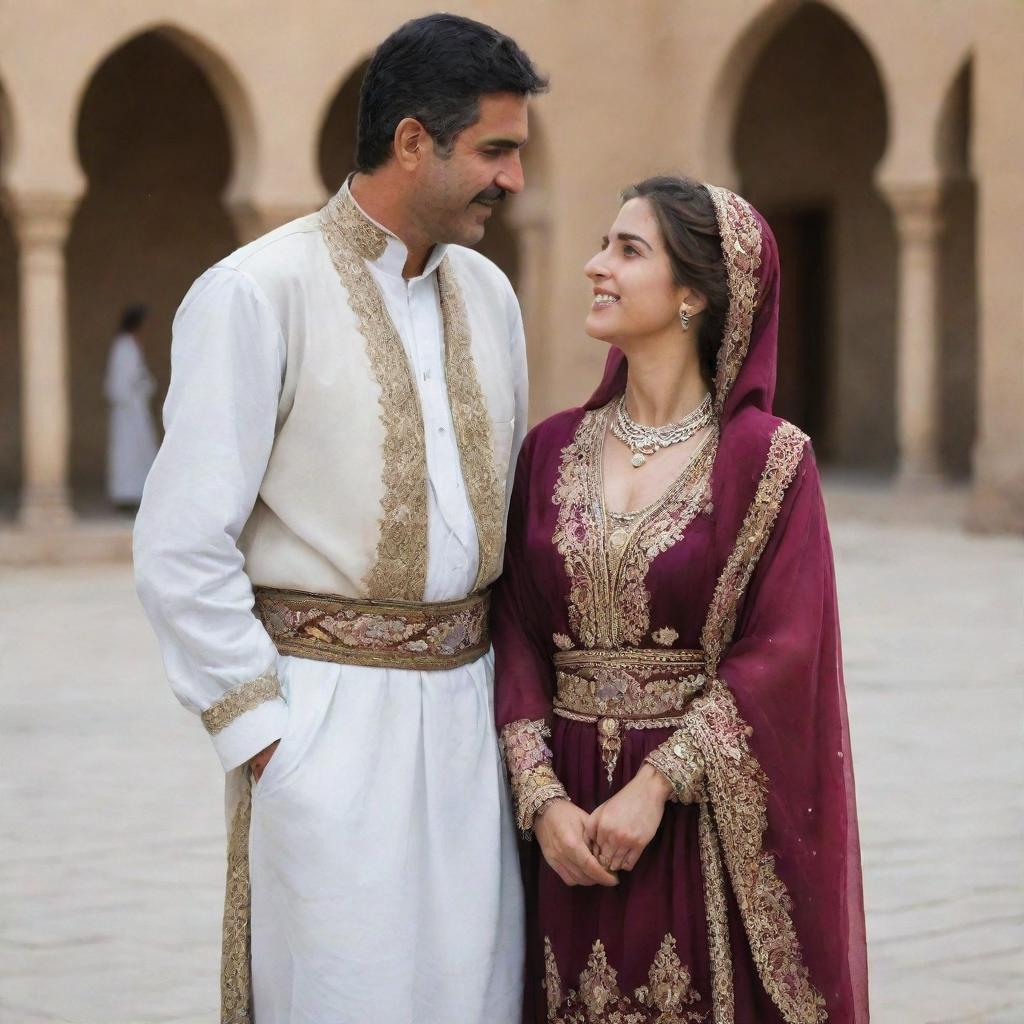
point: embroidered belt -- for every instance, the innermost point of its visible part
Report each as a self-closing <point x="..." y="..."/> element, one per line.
<point x="325" y="627"/>
<point x="630" y="687"/>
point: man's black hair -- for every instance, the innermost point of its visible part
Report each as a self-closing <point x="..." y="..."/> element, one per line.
<point x="133" y="318"/>
<point x="435" y="69"/>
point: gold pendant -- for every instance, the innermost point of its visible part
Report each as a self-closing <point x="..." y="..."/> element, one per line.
<point x="609" y="741"/>
<point x="638" y="459"/>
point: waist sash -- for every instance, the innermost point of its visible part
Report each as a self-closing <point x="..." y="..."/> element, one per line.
<point x="324" y="627"/>
<point x="631" y="688"/>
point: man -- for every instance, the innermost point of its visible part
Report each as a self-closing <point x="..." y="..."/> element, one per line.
<point x="314" y="549"/>
<point x="131" y="437"/>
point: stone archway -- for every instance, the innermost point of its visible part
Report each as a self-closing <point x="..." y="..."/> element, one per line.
<point x="810" y="129"/>
<point x="958" y="311"/>
<point x="156" y="145"/>
<point x="10" y="349"/>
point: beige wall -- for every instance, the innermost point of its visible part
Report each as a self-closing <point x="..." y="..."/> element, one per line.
<point x="850" y="106"/>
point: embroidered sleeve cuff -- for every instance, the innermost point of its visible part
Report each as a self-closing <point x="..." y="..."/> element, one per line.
<point x="246" y="719"/>
<point x="528" y="760"/>
<point x="679" y="760"/>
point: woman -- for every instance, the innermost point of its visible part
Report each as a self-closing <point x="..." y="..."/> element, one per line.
<point x="668" y="682"/>
<point x="129" y="387"/>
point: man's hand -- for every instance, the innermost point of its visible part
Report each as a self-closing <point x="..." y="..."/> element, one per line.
<point x="258" y="763"/>
<point x="620" y="829"/>
<point x="560" y="830"/>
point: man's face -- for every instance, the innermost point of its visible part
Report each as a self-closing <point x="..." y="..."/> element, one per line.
<point x="456" y="194"/>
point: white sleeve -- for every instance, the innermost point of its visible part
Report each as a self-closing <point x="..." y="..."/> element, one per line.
<point x="520" y="380"/>
<point x="227" y="364"/>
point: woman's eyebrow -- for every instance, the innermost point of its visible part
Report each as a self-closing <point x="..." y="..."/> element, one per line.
<point x="623" y="236"/>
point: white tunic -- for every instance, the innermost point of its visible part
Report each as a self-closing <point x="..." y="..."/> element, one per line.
<point x="131" y="441"/>
<point x="384" y="875"/>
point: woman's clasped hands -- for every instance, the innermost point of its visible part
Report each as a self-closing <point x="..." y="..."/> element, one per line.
<point x="587" y="849"/>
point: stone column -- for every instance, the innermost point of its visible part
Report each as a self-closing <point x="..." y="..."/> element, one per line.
<point x="42" y="223"/>
<point x="918" y="227"/>
<point x="528" y="217"/>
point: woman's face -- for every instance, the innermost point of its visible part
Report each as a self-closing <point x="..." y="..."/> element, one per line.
<point x="635" y="295"/>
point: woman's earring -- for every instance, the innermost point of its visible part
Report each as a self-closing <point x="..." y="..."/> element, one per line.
<point x="684" y="318"/>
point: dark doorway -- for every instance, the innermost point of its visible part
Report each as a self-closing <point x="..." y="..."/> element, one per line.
<point x="801" y="394"/>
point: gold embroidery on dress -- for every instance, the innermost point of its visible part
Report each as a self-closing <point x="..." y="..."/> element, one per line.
<point x="235" y="969"/>
<point x="716" y="911"/>
<point x="528" y="763"/>
<point x="484" y="484"/>
<point x="238" y="701"/>
<point x="609" y="604"/>
<point x="740" y="233"/>
<point x="734" y="779"/>
<point x="632" y="682"/>
<point x="784" y="454"/>
<point x="681" y="763"/>
<point x="663" y="1000"/>
<point x="399" y="569"/>
<point x="665" y="637"/>
<point x="561" y="641"/>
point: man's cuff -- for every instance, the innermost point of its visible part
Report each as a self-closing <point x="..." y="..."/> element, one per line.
<point x="246" y="720"/>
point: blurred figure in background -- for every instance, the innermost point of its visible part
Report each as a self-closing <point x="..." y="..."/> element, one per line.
<point x="129" y="386"/>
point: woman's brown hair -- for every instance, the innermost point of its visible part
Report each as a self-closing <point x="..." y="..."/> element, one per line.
<point x="689" y="228"/>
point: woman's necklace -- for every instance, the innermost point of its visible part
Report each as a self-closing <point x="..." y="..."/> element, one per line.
<point x="643" y="441"/>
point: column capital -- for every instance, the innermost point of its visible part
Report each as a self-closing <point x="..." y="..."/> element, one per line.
<point x="41" y="219"/>
<point x="917" y="208"/>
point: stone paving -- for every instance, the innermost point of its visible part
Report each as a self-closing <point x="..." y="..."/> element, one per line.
<point x="111" y="828"/>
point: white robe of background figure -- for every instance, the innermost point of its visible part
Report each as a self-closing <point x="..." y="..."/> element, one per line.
<point x="129" y="387"/>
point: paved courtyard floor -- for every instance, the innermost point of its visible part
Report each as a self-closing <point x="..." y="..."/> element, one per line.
<point x="111" y="828"/>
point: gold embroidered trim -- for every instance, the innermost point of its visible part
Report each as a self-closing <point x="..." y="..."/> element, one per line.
<point x="579" y="534"/>
<point x="323" y="627"/>
<point x="484" y="484"/>
<point x="235" y="972"/>
<point x="609" y="605"/>
<point x="561" y="641"/>
<point x="740" y="233"/>
<point x="238" y="701"/>
<point x="669" y="990"/>
<point x="528" y="762"/>
<point x="735" y="782"/>
<point x="680" y="762"/>
<point x="737" y="786"/>
<point x="716" y="912"/>
<point x="784" y="454"/>
<point x="399" y="569"/>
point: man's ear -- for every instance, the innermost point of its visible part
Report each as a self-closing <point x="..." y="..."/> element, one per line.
<point x="411" y="142"/>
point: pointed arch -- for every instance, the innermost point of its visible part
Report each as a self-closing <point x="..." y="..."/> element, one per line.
<point x="228" y="85"/>
<point x="809" y="129"/>
<point x="158" y="146"/>
<point x="731" y="81"/>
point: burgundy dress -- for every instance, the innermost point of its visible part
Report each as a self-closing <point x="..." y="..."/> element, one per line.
<point x="701" y="636"/>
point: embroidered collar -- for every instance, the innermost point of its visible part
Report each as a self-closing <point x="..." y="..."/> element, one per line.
<point x="373" y="241"/>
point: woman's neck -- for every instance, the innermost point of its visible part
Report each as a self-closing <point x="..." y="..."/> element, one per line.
<point x="664" y="383"/>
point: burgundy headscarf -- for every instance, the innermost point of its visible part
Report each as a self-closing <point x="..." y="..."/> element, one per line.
<point x="798" y="883"/>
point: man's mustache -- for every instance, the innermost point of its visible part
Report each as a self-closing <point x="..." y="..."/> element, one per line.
<point x="490" y="196"/>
